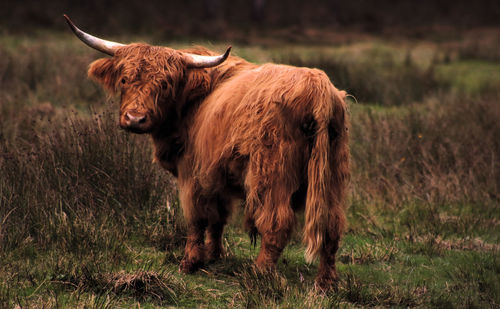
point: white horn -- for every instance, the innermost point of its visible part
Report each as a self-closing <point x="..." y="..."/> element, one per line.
<point x="107" y="47"/>
<point x="199" y="61"/>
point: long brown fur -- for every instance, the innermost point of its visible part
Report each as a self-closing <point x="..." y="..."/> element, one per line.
<point x="273" y="135"/>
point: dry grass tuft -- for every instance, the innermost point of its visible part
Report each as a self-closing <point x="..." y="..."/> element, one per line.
<point x="162" y="288"/>
<point x="260" y="287"/>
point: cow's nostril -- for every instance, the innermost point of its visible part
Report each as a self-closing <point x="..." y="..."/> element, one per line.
<point x="132" y="120"/>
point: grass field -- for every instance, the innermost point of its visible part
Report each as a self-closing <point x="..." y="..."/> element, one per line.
<point x="86" y="220"/>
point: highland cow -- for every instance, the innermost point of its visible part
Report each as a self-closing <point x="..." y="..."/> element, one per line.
<point x="275" y="136"/>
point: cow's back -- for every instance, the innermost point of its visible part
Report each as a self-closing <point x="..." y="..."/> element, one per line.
<point x="254" y="112"/>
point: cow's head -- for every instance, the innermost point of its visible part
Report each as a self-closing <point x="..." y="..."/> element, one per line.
<point x="146" y="76"/>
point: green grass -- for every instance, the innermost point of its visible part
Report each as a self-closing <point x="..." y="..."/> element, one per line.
<point x="471" y="77"/>
<point x="86" y="220"/>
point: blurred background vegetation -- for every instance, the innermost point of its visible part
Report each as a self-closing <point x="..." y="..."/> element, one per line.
<point x="236" y="19"/>
<point x="86" y="220"/>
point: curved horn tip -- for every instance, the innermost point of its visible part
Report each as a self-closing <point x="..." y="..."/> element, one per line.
<point x="228" y="51"/>
<point x="71" y="25"/>
<point x="104" y="46"/>
<point x="68" y="20"/>
<point x="201" y="61"/>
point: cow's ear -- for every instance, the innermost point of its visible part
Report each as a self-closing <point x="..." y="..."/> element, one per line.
<point x="105" y="72"/>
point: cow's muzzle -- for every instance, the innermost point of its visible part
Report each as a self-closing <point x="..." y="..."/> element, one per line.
<point x="135" y="122"/>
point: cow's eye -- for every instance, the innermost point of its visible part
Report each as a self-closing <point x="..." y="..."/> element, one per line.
<point x="124" y="80"/>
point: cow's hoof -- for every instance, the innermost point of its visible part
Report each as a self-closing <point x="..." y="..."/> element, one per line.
<point x="189" y="266"/>
<point x="325" y="284"/>
<point x="213" y="254"/>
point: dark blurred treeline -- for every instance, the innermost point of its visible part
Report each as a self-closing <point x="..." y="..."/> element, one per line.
<point x="220" y="17"/>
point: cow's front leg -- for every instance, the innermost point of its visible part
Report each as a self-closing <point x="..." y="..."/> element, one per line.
<point x="194" y="253"/>
<point x="213" y="247"/>
<point x="217" y="219"/>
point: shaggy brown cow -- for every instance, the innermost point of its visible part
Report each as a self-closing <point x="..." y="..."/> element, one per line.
<point x="275" y="136"/>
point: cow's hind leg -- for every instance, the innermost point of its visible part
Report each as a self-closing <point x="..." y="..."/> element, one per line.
<point x="327" y="273"/>
<point x="271" y="181"/>
<point x="216" y="222"/>
<point x="275" y="224"/>
<point x="272" y="244"/>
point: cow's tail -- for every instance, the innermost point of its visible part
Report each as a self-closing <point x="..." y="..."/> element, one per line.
<point x="328" y="173"/>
